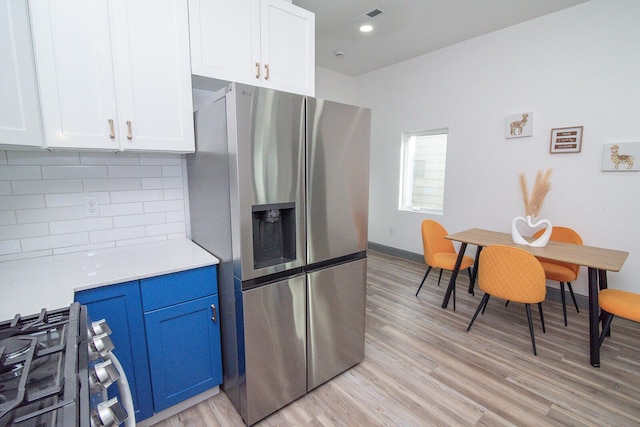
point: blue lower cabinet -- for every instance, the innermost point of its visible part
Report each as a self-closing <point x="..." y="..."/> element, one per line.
<point x="184" y="350"/>
<point x="166" y="333"/>
<point x="121" y="306"/>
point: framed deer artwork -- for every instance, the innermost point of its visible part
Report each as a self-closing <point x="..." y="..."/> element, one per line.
<point x="518" y="125"/>
<point x="621" y="157"/>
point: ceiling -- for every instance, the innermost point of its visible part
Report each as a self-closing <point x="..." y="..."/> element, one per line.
<point x="409" y="28"/>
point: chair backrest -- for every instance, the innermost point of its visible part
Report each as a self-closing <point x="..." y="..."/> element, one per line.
<point x="563" y="234"/>
<point x="511" y="273"/>
<point x="433" y="240"/>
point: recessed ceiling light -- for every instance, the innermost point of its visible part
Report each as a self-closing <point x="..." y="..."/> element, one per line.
<point x="365" y="28"/>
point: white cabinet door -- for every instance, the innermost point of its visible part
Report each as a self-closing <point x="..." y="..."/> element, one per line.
<point x="19" y="109"/>
<point x="75" y="72"/>
<point x="114" y="75"/>
<point x="268" y="43"/>
<point x="225" y="39"/>
<point x="151" y="47"/>
<point x="287" y="47"/>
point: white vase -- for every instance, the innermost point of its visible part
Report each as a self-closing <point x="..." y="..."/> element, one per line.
<point x="541" y="241"/>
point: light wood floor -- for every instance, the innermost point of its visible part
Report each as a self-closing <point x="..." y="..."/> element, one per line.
<point x="423" y="369"/>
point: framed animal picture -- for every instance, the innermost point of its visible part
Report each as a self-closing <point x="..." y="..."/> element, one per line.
<point x="621" y="157"/>
<point x="518" y="125"/>
<point x="566" y="140"/>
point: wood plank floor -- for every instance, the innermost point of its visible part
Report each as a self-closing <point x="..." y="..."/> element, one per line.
<point x="423" y="369"/>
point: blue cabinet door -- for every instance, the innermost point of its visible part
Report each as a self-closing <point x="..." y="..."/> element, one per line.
<point x="121" y="306"/>
<point x="184" y="350"/>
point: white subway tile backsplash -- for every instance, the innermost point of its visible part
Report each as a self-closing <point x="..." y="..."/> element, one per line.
<point x="135" y="171"/>
<point x="171" y="171"/>
<point x="137" y="196"/>
<point x="68" y="172"/>
<point x="8" y="172"/>
<point x="116" y="234"/>
<point x="165" y="206"/>
<point x="174" y="194"/>
<point x="28" y="216"/>
<point x="135" y="220"/>
<point x="175" y="216"/>
<point x="76" y="226"/>
<point x="74" y="199"/>
<point x="9" y="246"/>
<point x="109" y="159"/>
<point x="141" y="241"/>
<point x="112" y="184"/>
<point x="40" y="158"/>
<point x="7" y="218"/>
<point x="5" y="188"/>
<point x="17" y="231"/>
<point x="11" y="203"/>
<point x="122" y="209"/>
<point x="52" y="242"/>
<point x="157" y="183"/>
<point x="161" y="159"/>
<point x="45" y="187"/>
<point x="42" y="195"/>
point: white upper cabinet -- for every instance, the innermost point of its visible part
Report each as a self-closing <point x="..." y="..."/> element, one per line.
<point x="268" y="43"/>
<point x="114" y="75"/>
<point x="19" y="109"/>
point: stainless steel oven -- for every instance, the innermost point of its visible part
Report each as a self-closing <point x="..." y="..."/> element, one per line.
<point x="55" y="367"/>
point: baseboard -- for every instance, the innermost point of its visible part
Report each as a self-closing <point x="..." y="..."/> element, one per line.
<point x="552" y="293"/>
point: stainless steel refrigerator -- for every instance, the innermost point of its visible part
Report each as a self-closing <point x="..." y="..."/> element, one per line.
<point x="279" y="192"/>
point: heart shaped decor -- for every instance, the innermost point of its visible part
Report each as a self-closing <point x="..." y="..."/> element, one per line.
<point x="541" y="241"/>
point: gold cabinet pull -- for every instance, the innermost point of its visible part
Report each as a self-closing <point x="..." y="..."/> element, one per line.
<point x="266" y="68"/>
<point x="129" y="136"/>
<point x="257" y="70"/>
<point x="214" y="312"/>
<point x="112" y="132"/>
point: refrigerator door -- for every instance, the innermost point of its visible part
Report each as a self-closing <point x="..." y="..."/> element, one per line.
<point x="335" y="320"/>
<point x="266" y="147"/>
<point x="337" y="179"/>
<point x="275" y="343"/>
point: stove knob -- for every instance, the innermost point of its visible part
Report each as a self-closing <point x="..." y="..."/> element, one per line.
<point x="108" y="414"/>
<point x="102" y="376"/>
<point x="100" y="346"/>
<point x="100" y="327"/>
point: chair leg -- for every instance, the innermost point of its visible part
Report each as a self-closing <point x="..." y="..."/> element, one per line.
<point x="533" y="340"/>
<point x="608" y="317"/>
<point x="423" y="279"/>
<point x="564" y="303"/>
<point x="481" y="306"/>
<point x="470" y="281"/>
<point x="573" y="296"/>
<point x="454" y="296"/>
<point x="439" y="277"/>
<point x="541" y="317"/>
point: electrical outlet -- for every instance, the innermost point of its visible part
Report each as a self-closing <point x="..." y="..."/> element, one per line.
<point x="91" y="206"/>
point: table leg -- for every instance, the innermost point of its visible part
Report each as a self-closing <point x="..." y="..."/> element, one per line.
<point x="474" y="271"/>
<point x="454" y="275"/>
<point x="594" y="318"/>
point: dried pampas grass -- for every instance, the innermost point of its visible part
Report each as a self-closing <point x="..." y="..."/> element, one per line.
<point x="533" y="203"/>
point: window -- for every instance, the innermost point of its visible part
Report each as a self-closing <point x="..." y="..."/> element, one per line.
<point x="424" y="156"/>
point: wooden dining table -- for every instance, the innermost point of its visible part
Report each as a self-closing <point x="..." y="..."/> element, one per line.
<point x="597" y="260"/>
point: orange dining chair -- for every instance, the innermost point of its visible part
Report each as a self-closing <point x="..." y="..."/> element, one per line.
<point x="613" y="303"/>
<point x="558" y="271"/>
<point x="440" y="253"/>
<point x="512" y="274"/>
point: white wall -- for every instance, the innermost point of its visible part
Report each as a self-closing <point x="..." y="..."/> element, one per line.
<point x="577" y="67"/>
<point x="141" y="199"/>
<point x="334" y="86"/>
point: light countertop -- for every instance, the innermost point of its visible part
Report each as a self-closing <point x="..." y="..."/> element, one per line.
<point x="29" y="285"/>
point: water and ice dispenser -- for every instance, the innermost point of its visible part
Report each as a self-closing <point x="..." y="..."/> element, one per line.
<point x="274" y="234"/>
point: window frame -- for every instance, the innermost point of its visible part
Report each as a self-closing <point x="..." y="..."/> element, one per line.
<point x="407" y="164"/>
